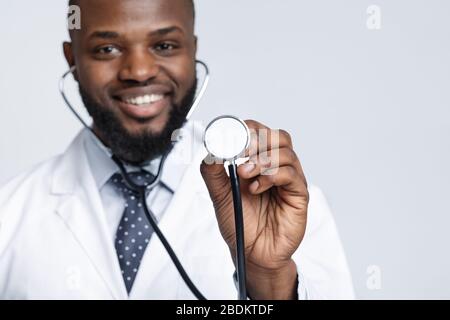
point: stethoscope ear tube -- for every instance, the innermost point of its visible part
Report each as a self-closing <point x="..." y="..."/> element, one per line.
<point x="198" y="98"/>
<point x="142" y="189"/>
<point x="62" y="91"/>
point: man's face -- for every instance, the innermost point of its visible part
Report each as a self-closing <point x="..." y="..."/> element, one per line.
<point x="135" y="63"/>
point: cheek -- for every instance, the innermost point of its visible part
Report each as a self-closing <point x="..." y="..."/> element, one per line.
<point x="184" y="74"/>
<point x="95" y="79"/>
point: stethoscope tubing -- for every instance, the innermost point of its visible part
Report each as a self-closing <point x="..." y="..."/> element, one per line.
<point x="239" y="225"/>
<point x="143" y="189"/>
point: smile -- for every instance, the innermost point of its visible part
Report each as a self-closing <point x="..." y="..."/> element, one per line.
<point x="144" y="106"/>
<point x="144" y="100"/>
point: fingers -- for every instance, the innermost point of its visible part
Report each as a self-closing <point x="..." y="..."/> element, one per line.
<point x="264" y="139"/>
<point x="216" y="179"/>
<point x="287" y="177"/>
<point x="268" y="163"/>
<point x="259" y="163"/>
<point x="272" y="163"/>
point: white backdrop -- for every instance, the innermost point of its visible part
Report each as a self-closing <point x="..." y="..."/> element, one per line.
<point x="369" y="111"/>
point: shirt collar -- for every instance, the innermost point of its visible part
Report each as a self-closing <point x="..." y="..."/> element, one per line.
<point x="103" y="167"/>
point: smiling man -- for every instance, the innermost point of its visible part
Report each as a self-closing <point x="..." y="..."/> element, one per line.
<point x="136" y="71"/>
<point x="72" y="229"/>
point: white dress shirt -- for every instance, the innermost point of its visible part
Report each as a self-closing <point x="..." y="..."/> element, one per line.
<point x="103" y="168"/>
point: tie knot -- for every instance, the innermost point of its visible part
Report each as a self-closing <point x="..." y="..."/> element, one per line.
<point x="141" y="178"/>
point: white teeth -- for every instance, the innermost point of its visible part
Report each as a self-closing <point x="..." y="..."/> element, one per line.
<point x="143" y="100"/>
<point x="156" y="97"/>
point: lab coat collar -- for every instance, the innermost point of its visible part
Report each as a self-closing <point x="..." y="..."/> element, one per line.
<point x="65" y="179"/>
<point x="81" y="208"/>
<point x="103" y="167"/>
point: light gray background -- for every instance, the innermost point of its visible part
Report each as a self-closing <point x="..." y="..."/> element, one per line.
<point x="369" y="112"/>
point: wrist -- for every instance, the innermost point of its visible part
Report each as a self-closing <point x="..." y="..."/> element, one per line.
<point x="274" y="284"/>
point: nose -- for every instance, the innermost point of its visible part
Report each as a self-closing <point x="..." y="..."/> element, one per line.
<point x="139" y="66"/>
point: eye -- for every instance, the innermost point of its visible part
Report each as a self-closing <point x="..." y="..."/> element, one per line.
<point x="165" y="47"/>
<point x="108" y="50"/>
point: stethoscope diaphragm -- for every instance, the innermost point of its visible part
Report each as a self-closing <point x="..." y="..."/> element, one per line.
<point x="227" y="138"/>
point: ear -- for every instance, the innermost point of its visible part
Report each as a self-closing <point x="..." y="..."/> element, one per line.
<point x="68" y="53"/>
<point x="195" y="46"/>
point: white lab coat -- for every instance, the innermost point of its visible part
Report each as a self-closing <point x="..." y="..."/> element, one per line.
<point x="54" y="242"/>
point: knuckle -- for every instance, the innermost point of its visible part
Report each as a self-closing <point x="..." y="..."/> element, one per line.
<point x="291" y="172"/>
<point x="286" y="135"/>
<point x="251" y="123"/>
<point x="307" y="197"/>
<point x="288" y="154"/>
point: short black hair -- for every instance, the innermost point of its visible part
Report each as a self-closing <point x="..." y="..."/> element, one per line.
<point x="75" y="2"/>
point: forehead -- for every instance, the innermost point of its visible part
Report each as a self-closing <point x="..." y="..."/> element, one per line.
<point x="134" y="15"/>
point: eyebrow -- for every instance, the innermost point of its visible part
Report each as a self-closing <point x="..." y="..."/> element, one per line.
<point x="115" y="35"/>
<point x="104" y="35"/>
<point x="165" y="31"/>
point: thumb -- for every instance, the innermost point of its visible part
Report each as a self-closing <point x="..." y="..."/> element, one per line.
<point x="216" y="179"/>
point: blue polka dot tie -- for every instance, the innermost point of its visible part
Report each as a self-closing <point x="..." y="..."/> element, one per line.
<point x="134" y="231"/>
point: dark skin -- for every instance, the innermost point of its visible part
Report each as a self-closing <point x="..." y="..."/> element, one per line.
<point x="151" y="44"/>
<point x="118" y="46"/>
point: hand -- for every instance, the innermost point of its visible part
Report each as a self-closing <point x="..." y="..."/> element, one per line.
<point x="275" y="202"/>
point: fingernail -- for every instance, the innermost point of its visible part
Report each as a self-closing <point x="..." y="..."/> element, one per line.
<point x="249" y="167"/>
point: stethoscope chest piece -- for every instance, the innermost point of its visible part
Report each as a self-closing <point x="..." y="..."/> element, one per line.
<point x="227" y="138"/>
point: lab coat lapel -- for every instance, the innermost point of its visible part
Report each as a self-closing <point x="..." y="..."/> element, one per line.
<point x="156" y="261"/>
<point x="82" y="211"/>
<point x="177" y="222"/>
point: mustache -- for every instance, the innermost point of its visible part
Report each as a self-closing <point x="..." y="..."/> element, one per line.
<point x="143" y="146"/>
<point x="132" y="84"/>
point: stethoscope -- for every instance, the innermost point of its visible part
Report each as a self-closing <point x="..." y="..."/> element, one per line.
<point x="226" y="138"/>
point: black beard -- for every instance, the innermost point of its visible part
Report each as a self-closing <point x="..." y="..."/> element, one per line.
<point x="144" y="146"/>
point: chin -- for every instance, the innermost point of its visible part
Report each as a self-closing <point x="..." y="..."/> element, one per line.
<point x="154" y="126"/>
